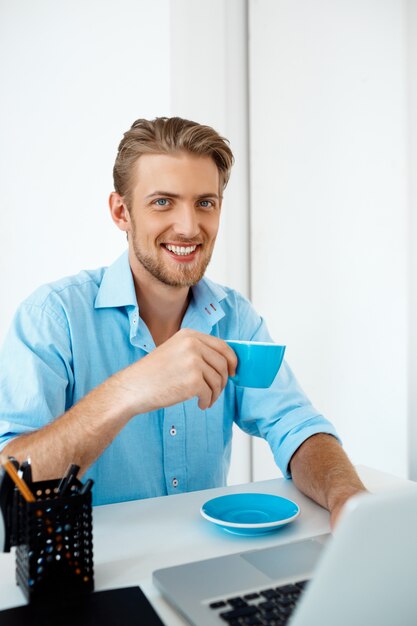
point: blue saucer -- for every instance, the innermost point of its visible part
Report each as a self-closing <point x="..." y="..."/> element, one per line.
<point x="250" y="513"/>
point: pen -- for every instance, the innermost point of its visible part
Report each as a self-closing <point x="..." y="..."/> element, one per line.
<point x="26" y="470"/>
<point x="19" y="482"/>
<point x="86" y="488"/>
<point x="14" y="461"/>
<point x="67" y="480"/>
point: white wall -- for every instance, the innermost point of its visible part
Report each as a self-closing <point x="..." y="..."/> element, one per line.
<point x="74" y="76"/>
<point x="411" y="20"/>
<point x="329" y="210"/>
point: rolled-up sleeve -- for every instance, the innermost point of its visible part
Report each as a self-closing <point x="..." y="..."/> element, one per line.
<point x="281" y="414"/>
<point x="35" y="371"/>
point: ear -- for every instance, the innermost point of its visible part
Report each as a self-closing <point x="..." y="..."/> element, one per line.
<point x="118" y="211"/>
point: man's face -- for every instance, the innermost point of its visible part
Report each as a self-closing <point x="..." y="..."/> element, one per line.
<point x="174" y="216"/>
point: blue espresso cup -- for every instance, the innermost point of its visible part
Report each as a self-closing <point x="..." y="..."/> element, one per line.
<point x="258" y="362"/>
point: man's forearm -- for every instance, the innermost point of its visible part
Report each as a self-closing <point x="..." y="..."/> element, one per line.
<point x="321" y="469"/>
<point x="155" y="381"/>
<point x="79" y="436"/>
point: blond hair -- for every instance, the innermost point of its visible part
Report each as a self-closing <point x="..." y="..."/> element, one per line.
<point x="168" y="135"/>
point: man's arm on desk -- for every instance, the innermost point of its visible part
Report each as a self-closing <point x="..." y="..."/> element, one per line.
<point x="321" y="469"/>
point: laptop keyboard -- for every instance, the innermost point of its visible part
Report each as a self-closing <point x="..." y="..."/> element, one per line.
<point x="269" y="607"/>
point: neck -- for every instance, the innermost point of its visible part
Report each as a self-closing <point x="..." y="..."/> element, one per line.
<point x="162" y="307"/>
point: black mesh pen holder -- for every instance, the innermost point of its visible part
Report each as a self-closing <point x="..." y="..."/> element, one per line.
<point x="54" y="539"/>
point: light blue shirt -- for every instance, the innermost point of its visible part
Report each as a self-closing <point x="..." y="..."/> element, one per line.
<point x="71" y="335"/>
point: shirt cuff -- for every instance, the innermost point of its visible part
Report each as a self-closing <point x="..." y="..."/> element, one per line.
<point x="293" y="442"/>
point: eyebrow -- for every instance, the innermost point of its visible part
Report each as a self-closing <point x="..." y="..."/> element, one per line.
<point x="169" y="194"/>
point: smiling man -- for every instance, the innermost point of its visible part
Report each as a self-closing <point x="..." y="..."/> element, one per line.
<point x="124" y="370"/>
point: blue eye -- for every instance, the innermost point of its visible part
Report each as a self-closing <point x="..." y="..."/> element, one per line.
<point x="206" y="204"/>
<point x="161" y="202"/>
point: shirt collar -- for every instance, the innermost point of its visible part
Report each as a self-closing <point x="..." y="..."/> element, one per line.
<point x="205" y="302"/>
<point x="207" y="288"/>
<point x="117" y="289"/>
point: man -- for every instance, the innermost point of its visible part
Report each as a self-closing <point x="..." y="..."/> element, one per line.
<point x="124" y="370"/>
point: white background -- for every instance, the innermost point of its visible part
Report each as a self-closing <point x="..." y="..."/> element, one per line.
<point x="317" y="225"/>
<point x="74" y="76"/>
<point x="330" y="207"/>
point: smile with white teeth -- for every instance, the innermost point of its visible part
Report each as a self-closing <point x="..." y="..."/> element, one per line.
<point x="180" y="250"/>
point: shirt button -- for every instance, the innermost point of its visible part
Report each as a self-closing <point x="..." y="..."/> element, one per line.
<point x="173" y="431"/>
<point x="174" y="482"/>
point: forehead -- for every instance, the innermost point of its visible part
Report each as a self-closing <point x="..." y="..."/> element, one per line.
<point x="180" y="173"/>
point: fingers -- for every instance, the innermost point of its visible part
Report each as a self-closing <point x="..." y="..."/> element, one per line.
<point x="211" y="387"/>
<point x="216" y="370"/>
<point x="206" y="362"/>
<point x="216" y="344"/>
<point x="205" y="393"/>
<point x="217" y="362"/>
<point x="209" y="361"/>
<point x="226" y="351"/>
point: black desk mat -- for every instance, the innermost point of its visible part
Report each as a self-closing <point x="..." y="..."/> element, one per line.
<point x="116" y="607"/>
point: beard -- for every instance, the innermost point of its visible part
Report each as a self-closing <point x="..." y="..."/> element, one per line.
<point x="184" y="275"/>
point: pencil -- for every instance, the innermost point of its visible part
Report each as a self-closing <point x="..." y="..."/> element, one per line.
<point x="19" y="482"/>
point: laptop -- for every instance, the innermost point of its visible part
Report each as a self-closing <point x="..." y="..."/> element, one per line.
<point x="365" y="574"/>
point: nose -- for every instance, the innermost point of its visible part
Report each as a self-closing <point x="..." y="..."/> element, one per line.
<point x="186" y="221"/>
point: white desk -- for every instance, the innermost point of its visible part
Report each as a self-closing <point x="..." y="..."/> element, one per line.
<point x="132" y="539"/>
